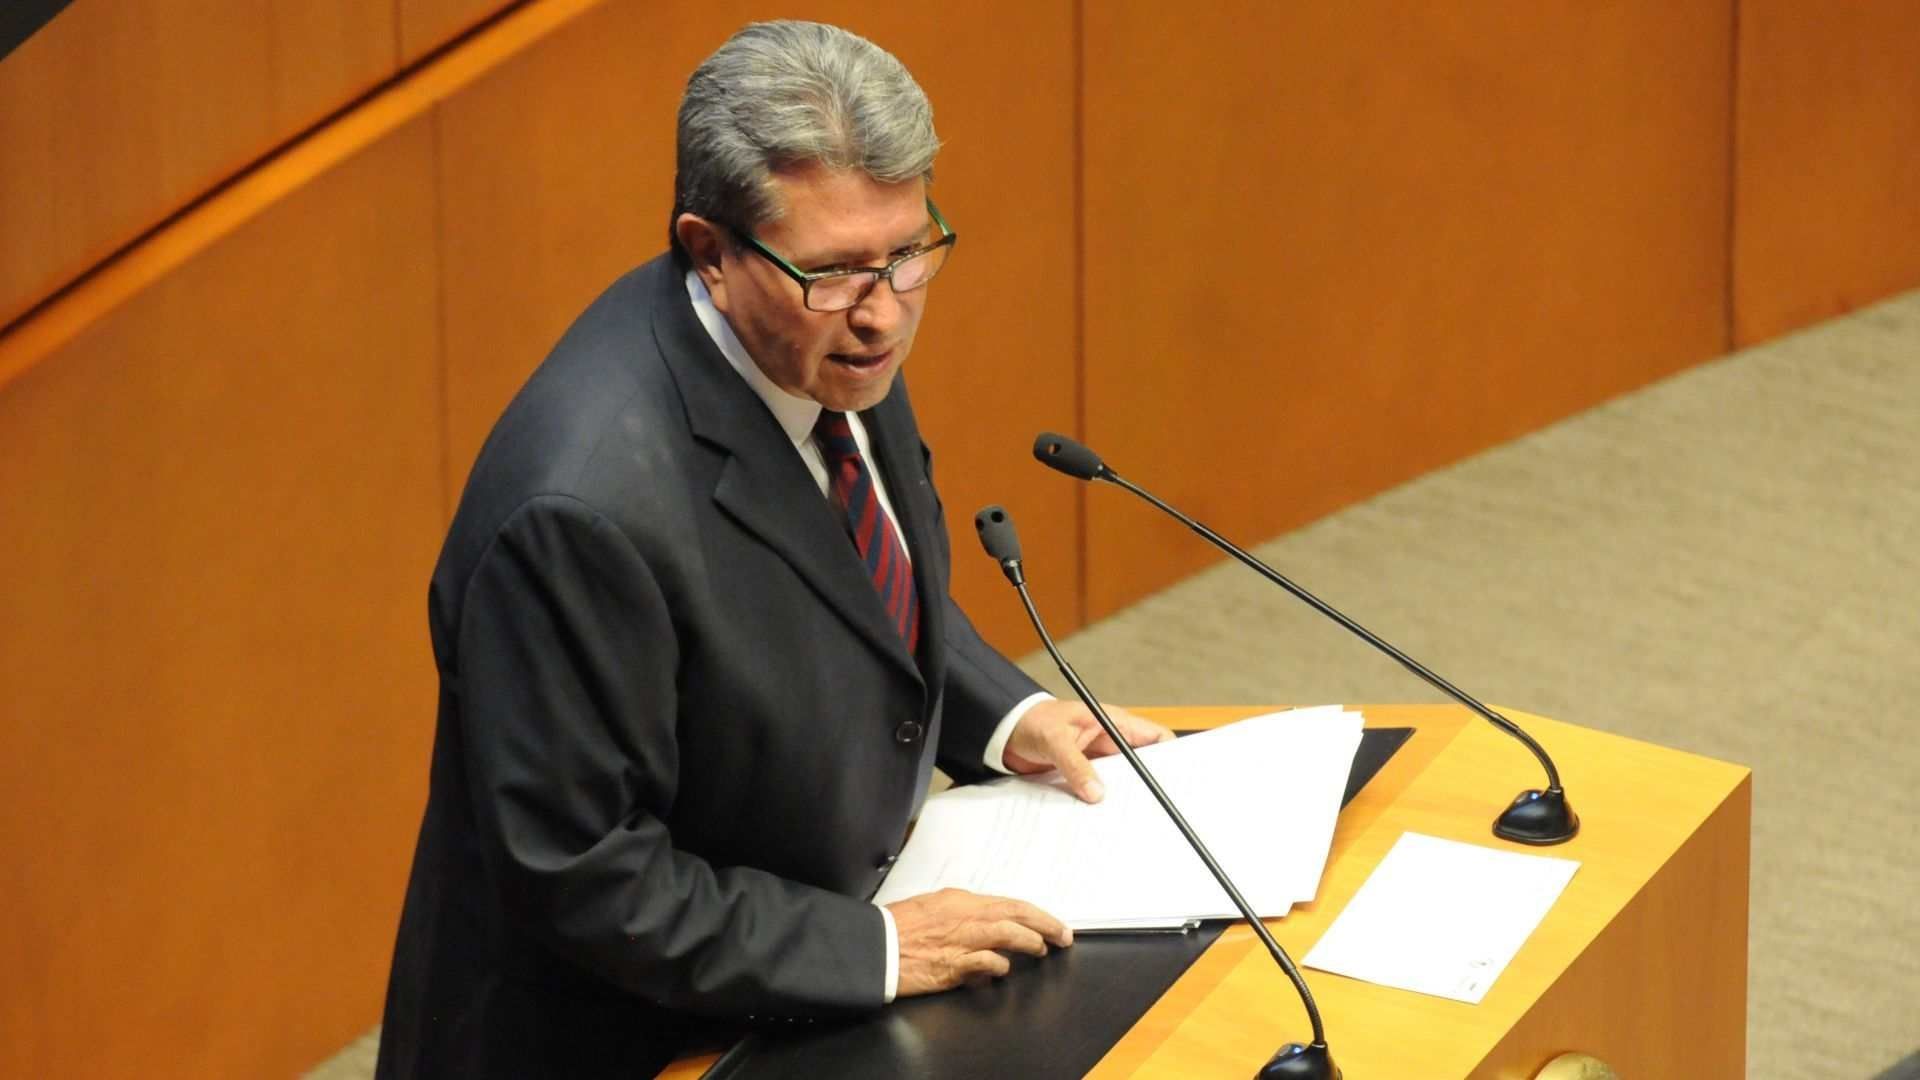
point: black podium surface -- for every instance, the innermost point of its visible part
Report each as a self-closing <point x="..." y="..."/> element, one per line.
<point x="1052" y="1016"/>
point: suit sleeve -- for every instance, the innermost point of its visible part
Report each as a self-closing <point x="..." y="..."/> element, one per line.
<point x="567" y="678"/>
<point x="982" y="685"/>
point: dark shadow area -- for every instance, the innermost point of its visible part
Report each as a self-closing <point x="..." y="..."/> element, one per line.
<point x="1908" y="1069"/>
<point x="20" y="19"/>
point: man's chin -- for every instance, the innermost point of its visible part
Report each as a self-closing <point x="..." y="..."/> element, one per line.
<point x="858" y="393"/>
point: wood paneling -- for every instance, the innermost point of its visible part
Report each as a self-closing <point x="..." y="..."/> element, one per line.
<point x="530" y="237"/>
<point x="222" y="507"/>
<point x="116" y="114"/>
<point x="1827" y="195"/>
<point x="1330" y="247"/>
<point x="425" y="25"/>
<point x="533" y="235"/>
<point x="29" y="341"/>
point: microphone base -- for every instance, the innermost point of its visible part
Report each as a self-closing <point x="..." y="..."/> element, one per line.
<point x="1297" y="1062"/>
<point x="1539" y="818"/>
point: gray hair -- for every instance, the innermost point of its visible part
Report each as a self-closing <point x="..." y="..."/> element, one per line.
<point x="787" y="93"/>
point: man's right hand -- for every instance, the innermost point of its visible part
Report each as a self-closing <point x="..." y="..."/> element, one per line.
<point x="953" y="936"/>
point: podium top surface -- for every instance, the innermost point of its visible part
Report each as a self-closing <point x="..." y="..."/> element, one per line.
<point x="1639" y="805"/>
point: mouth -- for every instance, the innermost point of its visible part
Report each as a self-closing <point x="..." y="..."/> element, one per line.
<point x="862" y="362"/>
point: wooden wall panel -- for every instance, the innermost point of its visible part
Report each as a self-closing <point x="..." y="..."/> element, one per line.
<point x="221" y="506"/>
<point x="530" y="237"/>
<point x="533" y="235"/>
<point x="425" y="25"/>
<point x="1827" y="197"/>
<point x="1332" y="246"/>
<point x="118" y="113"/>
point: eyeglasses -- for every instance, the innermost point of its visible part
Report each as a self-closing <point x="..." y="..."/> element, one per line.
<point x="838" y="290"/>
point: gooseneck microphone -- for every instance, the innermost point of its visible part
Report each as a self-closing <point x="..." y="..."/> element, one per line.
<point x="1534" y="817"/>
<point x="1293" y="1061"/>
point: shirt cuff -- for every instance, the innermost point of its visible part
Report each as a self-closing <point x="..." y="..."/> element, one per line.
<point x="892" y="985"/>
<point x="997" y="746"/>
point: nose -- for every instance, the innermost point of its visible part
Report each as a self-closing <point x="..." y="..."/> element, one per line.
<point x="879" y="312"/>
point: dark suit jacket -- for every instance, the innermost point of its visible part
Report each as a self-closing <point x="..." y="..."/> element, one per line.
<point x="678" y="742"/>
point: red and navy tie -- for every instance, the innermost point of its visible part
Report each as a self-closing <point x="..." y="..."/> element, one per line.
<point x="851" y="486"/>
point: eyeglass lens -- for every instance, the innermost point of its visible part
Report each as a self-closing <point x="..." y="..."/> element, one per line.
<point x="842" y="291"/>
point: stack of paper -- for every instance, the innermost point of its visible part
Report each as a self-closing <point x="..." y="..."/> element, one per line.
<point x="1263" y="794"/>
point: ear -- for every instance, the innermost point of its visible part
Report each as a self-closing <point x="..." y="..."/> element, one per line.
<point x="705" y="244"/>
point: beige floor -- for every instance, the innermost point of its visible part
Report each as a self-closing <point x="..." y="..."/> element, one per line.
<point x="1725" y="562"/>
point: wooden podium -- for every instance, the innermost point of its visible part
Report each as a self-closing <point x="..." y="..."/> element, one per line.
<point x="1642" y="963"/>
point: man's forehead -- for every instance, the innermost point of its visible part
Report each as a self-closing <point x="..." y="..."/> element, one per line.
<point x="834" y="215"/>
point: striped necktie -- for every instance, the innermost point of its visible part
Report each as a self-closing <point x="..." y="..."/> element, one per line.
<point x="851" y="486"/>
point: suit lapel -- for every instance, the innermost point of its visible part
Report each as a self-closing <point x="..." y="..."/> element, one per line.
<point x="763" y="485"/>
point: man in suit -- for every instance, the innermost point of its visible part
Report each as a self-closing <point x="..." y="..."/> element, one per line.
<point x="696" y="649"/>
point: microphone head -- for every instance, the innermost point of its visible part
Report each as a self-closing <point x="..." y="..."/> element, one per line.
<point x="1061" y="454"/>
<point x="997" y="534"/>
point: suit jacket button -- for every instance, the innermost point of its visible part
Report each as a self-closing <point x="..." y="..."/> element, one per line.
<point x="886" y="864"/>
<point x="907" y="733"/>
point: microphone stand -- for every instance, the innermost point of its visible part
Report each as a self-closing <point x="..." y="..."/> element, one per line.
<point x="1534" y="817"/>
<point x="1293" y="1061"/>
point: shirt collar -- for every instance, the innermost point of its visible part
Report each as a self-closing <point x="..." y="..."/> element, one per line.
<point x="796" y="415"/>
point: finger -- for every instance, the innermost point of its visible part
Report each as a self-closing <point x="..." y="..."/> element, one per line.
<point x="1139" y="731"/>
<point x="1027" y="915"/>
<point x="1086" y="736"/>
<point x="983" y="963"/>
<point x="961" y="965"/>
<point x="981" y="979"/>
<point x="1004" y="936"/>
<point x="1100" y="744"/>
<point x="1063" y="750"/>
<point x="950" y="968"/>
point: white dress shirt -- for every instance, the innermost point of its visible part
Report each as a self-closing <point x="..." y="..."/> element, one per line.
<point x="797" y="416"/>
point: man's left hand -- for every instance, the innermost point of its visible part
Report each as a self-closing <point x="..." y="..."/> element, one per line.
<point x="1064" y="734"/>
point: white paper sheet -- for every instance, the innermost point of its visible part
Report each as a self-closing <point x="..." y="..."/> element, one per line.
<point x="1441" y="917"/>
<point x="1263" y="794"/>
